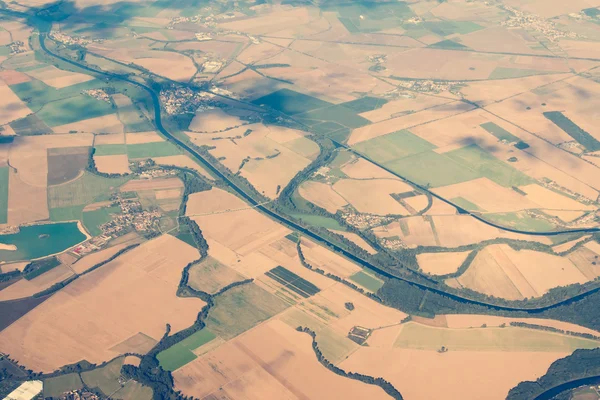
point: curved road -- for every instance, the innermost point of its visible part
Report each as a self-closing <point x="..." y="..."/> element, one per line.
<point x="293" y="225"/>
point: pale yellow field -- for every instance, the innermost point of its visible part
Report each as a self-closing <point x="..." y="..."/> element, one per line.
<point x="548" y="199"/>
<point x="323" y="195"/>
<point x="500" y="271"/>
<point x="90" y="260"/>
<point x="13" y="107"/>
<point x="328" y="261"/>
<point x="487" y="195"/>
<point x="566" y="216"/>
<point x="450" y="231"/>
<point x="106" y="307"/>
<point x="167" y="194"/>
<point x="215" y="120"/>
<point x="360" y="242"/>
<point x="569" y="245"/>
<point x="143" y="137"/>
<point x="359" y="168"/>
<point x="269" y="157"/>
<point x="373" y="196"/>
<point x="420" y="202"/>
<point x="111" y="138"/>
<point x="58" y="78"/>
<point x="436" y="113"/>
<point x="242" y="231"/>
<point x="441" y="263"/>
<point x="270" y="361"/>
<point x="396" y="108"/>
<point x="116" y="164"/>
<point x="12" y="77"/>
<point x="138" y="185"/>
<point x="427" y="374"/>
<point x="24" y="288"/>
<point x="105" y="124"/>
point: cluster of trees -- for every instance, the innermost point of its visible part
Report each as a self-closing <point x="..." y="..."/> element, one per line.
<point x="382" y="383"/>
<point x="196" y="233"/>
<point x="552" y="329"/>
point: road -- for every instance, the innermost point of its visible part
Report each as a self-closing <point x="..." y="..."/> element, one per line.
<point x="292" y="225"/>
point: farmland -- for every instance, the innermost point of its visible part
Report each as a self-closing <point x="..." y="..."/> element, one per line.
<point x="299" y="200"/>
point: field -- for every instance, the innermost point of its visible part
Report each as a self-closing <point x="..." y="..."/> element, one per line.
<point x="108" y="306"/>
<point x="181" y="353"/>
<point x="105" y="378"/>
<point x="241" y="308"/>
<point x="210" y="276"/>
<point x="367" y="281"/>
<point x="83" y="190"/>
<point x="272" y="360"/>
<point x="322" y="195"/>
<point x="54" y="387"/>
<point x="500" y="271"/>
<point x="379" y="201"/>
<point x="268" y="156"/>
<point x="582" y="137"/>
<point x="130" y="116"/>
<point x="117" y="164"/>
<point x="441" y="263"/>
<point x="28" y="287"/>
<point x="149" y="150"/>
<point x="292" y="282"/>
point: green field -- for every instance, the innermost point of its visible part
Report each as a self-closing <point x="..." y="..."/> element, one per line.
<point x="433" y="169"/>
<point x="290" y="102"/>
<point x="61" y="214"/>
<point x="54" y="387"/>
<point x="133" y="391"/>
<point x="93" y="219"/>
<point x="499" y="132"/>
<point x="105" y="378"/>
<point x="292" y="281"/>
<point x="365" y="104"/>
<point x="336" y="113"/>
<point x="156" y="149"/>
<point x="31" y="125"/>
<point x="73" y="109"/>
<point x="210" y="275"/>
<point x="41" y="267"/>
<point x="131" y="117"/>
<point x="417" y="336"/>
<point x="367" y="280"/>
<point x="520" y="221"/>
<point x="110" y="149"/>
<point x="446" y="28"/>
<point x="511" y="73"/>
<point x="319" y="221"/>
<point x="393" y="146"/>
<point x="181" y="353"/>
<point x="484" y="164"/>
<point x="241" y="308"/>
<point x="573" y="130"/>
<point x="37" y="94"/>
<point x="448" y="44"/>
<point x="466" y="204"/>
<point x="83" y="190"/>
<point x="4" y="195"/>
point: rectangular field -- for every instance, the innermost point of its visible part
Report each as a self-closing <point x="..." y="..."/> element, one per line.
<point x="155" y="149"/>
<point x="293" y="282"/>
<point x="181" y="353"/>
<point x="573" y="130"/>
<point x="393" y="146"/>
<point x="367" y="281"/>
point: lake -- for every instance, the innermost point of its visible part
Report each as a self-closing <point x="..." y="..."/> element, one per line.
<point x="37" y="241"/>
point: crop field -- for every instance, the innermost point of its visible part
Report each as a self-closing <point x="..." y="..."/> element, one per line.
<point x="83" y="190"/>
<point x="57" y="78"/>
<point x="500" y="271"/>
<point x="441" y="263"/>
<point x="393" y="146"/>
<point x="330" y="262"/>
<point x="379" y="201"/>
<point x="422" y="337"/>
<point x="210" y="276"/>
<point x="15" y="107"/>
<point x="105" y="378"/>
<point x="291" y="102"/>
<point x="148" y="150"/>
<point x="93" y="219"/>
<point x="499" y="132"/>
<point x="54" y="387"/>
<point x="240" y="308"/>
<point x="181" y="353"/>
<point x="65" y="164"/>
<point x="292" y="281"/>
<point x="248" y="366"/>
<point x="35" y="283"/>
<point x="322" y="195"/>
<point x="117" y="164"/>
<point x="582" y="137"/>
<point x="367" y="281"/>
<point x="130" y="115"/>
<point x="108" y="306"/>
<point x="521" y="221"/>
<point x="109" y="149"/>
